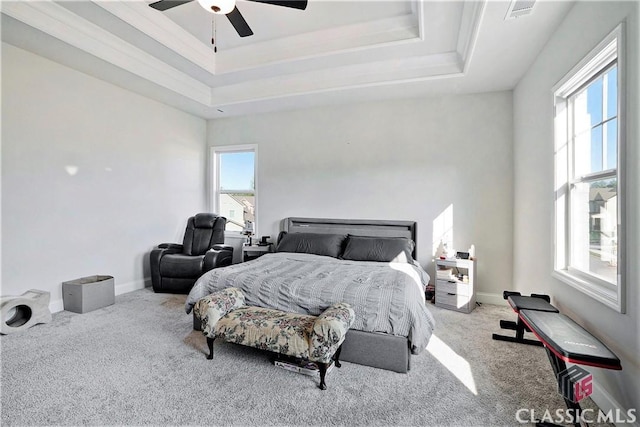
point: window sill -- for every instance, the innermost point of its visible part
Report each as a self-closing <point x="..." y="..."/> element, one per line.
<point x="234" y="235"/>
<point x="608" y="297"/>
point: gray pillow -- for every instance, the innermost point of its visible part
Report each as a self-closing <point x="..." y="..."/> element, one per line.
<point x="381" y="249"/>
<point x="312" y="243"/>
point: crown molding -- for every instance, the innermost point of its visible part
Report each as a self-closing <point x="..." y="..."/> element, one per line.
<point x="64" y="25"/>
<point x="346" y="38"/>
<point x="317" y="44"/>
<point x="162" y="29"/>
<point x="472" y="15"/>
<point x="284" y="69"/>
<point x="417" y="8"/>
<point x="343" y="78"/>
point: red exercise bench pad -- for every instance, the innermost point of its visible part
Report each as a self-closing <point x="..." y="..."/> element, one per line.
<point x="568" y="340"/>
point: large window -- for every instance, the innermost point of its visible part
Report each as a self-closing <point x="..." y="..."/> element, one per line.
<point x="589" y="135"/>
<point x="234" y="185"/>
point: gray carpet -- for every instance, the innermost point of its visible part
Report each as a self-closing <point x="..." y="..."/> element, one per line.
<point x="139" y="362"/>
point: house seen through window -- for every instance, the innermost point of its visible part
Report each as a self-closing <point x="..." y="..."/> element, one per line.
<point x="235" y="189"/>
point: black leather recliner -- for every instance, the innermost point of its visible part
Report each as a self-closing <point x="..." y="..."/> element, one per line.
<point x="175" y="268"/>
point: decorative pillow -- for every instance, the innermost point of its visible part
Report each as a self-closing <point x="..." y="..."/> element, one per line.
<point x="381" y="249"/>
<point x="312" y="243"/>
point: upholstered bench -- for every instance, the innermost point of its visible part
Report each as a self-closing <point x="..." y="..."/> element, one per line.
<point x="225" y="315"/>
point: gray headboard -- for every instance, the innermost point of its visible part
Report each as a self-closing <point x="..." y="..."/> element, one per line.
<point x="356" y="227"/>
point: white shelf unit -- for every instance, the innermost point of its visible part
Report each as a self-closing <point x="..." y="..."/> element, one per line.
<point x="453" y="291"/>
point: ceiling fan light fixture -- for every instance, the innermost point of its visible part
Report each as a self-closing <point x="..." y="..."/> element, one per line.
<point x="220" y="7"/>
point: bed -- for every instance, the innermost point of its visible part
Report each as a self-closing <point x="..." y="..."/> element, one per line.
<point x="368" y="264"/>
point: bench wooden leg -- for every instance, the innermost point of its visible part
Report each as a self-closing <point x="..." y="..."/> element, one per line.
<point x="323" y="373"/>
<point x="324" y="366"/>
<point x="210" y="344"/>
<point x="336" y="357"/>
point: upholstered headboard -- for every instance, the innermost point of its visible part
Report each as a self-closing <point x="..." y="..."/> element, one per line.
<point x="356" y="227"/>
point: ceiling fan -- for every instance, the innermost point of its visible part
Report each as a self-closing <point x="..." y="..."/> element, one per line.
<point x="228" y="8"/>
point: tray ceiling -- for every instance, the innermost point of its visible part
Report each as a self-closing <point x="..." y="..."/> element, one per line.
<point x="334" y="51"/>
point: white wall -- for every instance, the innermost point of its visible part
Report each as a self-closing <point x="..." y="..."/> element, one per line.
<point x="140" y="174"/>
<point x="584" y="27"/>
<point x="403" y="159"/>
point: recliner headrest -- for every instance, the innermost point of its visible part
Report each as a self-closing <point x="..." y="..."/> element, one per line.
<point x="204" y="220"/>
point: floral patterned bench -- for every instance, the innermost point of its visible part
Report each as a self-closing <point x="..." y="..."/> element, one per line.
<point x="225" y="315"/>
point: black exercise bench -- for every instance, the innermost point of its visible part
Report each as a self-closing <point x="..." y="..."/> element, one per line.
<point x="537" y="302"/>
<point x="564" y="341"/>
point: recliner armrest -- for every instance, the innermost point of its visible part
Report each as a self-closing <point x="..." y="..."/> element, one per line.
<point x="172" y="246"/>
<point x="154" y="262"/>
<point x="218" y="256"/>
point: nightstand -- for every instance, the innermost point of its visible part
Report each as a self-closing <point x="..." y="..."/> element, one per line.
<point x="250" y="252"/>
<point x="455" y="282"/>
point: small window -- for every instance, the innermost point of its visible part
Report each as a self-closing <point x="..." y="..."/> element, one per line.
<point x="589" y="201"/>
<point x="234" y="185"/>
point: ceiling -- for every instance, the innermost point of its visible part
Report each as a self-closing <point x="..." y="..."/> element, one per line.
<point x="335" y="51"/>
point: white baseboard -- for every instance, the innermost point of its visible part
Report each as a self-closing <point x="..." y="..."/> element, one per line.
<point x="608" y="403"/>
<point x="58" y="305"/>
<point x="132" y="286"/>
<point x="487" y="298"/>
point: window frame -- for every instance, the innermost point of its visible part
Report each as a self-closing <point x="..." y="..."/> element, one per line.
<point x="214" y="179"/>
<point x="597" y="62"/>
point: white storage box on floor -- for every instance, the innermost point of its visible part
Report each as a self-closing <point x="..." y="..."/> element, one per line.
<point x="88" y="293"/>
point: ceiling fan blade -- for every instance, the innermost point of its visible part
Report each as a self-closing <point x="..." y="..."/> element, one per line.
<point x="163" y="5"/>
<point x="295" y="4"/>
<point x="238" y="22"/>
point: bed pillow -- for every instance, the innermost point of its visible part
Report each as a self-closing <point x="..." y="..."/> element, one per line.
<point x="380" y="249"/>
<point x="312" y="243"/>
